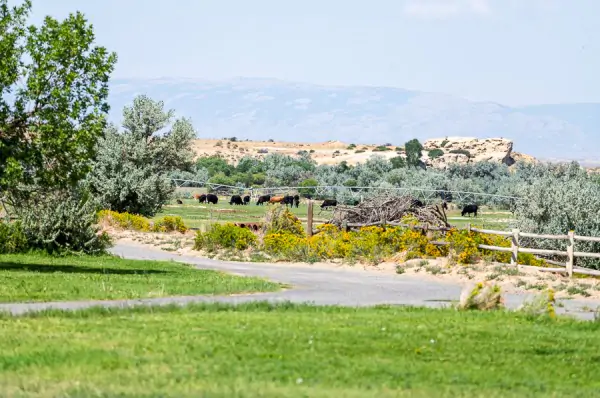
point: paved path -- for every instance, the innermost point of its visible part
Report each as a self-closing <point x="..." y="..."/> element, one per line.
<point x="309" y="284"/>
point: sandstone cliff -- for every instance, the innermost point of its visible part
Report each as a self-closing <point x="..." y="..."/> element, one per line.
<point x="439" y="153"/>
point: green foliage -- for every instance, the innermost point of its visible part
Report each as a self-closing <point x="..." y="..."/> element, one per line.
<point x="132" y="170"/>
<point x="136" y="222"/>
<point x="222" y="179"/>
<point x="559" y="199"/>
<point x="12" y="238"/>
<point x="215" y="164"/>
<point x="351" y="146"/>
<point x="350" y="183"/>
<point x="360" y="151"/>
<point x="370" y="244"/>
<point x="413" y="150"/>
<point x="224" y="236"/>
<point x="398" y="162"/>
<point x="61" y="222"/>
<point x="125" y="220"/>
<point x="435" y="153"/>
<point x="307" y="187"/>
<point x="53" y="91"/>
<point x="280" y="219"/>
<point x="381" y="148"/>
<point x="170" y="224"/>
<point x="461" y="152"/>
<point x="444" y="143"/>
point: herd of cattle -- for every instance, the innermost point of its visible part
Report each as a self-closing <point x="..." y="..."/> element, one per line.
<point x="292" y="201"/>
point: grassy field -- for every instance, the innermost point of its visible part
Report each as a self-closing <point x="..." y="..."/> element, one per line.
<point x="198" y="215"/>
<point x="258" y="350"/>
<point x="29" y="278"/>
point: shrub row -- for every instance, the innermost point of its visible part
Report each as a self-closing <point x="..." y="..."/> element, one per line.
<point x="139" y="223"/>
<point x="12" y="238"/>
<point x="370" y="244"/>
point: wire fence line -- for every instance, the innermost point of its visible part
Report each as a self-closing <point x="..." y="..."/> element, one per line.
<point x="355" y="193"/>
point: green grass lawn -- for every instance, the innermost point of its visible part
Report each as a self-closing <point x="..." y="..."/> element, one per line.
<point x="489" y="219"/>
<point x="29" y="278"/>
<point x="258" y="350"/>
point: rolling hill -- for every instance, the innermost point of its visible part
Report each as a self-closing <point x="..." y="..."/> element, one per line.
<point x="260" y="109"/>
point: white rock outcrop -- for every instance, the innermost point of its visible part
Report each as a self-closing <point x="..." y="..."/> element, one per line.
<point x="463" y="150"/>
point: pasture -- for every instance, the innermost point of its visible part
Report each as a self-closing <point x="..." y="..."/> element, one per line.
<point x="261" y="350"/>
<point x="36" y="278"/>
<point x="200" y="215"/>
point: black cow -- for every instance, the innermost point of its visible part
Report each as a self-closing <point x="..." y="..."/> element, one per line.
<point x="202" y="198"/>
<point x="416" y="203"/>
<point x="468" y="209"/>
<point x="297" y="200"/>
<point x="263" y="199"/>
<point x="328" y="203"/>
<point x="179" y="202"/>
<point x="246" y="199"/>
<point x="288" y="200"/>
<point x="212" y="198"/>
<point x="236" y="200"/>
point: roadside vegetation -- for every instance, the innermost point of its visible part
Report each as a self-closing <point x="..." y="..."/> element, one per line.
<point x="283" y="237"/>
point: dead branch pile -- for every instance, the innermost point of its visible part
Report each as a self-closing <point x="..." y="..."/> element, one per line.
<point x="389" y="209"/>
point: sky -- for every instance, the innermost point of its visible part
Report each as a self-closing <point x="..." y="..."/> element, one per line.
<point x="514" y="52"/>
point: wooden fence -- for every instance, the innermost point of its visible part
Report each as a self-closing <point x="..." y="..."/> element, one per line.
<point x="567" y="267"/>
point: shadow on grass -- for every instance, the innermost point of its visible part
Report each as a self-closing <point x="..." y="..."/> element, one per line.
<point x="46" y="268"/>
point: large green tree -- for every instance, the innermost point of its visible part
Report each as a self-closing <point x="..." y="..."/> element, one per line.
<point x="413" y="149"/>
<point x="133" y="168"/>
<point x="53" y="91"/>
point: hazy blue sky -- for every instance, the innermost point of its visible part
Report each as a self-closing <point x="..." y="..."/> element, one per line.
<point x="509" y="51"/>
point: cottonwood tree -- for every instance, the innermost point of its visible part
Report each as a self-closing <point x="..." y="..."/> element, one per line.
<point x="132" y="172"/>
<point x="413" y="150"/>
<point x="53" y="90"/>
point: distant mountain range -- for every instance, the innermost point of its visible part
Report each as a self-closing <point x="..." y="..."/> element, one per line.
<point x="259" y="109"/>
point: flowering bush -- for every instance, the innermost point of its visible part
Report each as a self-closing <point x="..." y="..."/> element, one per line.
<point x="280" y="220"/>
<point x="224" y="236"/>
<point x="464" y="248"/>
<point x="170" y="223"/>
<point x="139" y="223"/>
<point x="372" y="244"/>
<point x="125" y="220"/>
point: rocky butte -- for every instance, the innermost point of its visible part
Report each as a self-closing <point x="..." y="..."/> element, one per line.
<point x="445" y="150"/>
<point x="440" y="152"/>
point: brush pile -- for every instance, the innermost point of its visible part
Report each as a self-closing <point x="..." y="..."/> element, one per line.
<point x="390" y="209"/>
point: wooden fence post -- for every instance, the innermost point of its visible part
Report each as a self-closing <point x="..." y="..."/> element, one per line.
<point x="514" y="244"/>
<point x="570" y="253"/>
<point x="469" y="228"/>
<point x="428" y="232"/>
<point x="309" y="218"/>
